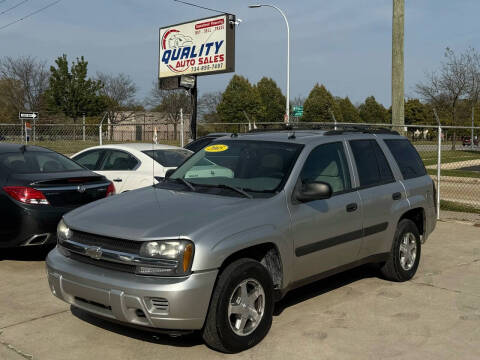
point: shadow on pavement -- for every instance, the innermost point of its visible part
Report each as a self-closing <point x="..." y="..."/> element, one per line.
<point x="30" y="253"/>
<point x="192" y="339"/>
<point x="324" y="286"/>
<point x="187" y="340"/>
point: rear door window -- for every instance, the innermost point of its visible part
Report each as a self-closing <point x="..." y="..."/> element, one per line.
<point x="90" y="159"/>
<point x="372" y="166"/>
<point x="407" y="158"/>
<point x="117" y="160"/>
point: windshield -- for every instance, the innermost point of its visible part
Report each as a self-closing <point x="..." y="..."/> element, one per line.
<point x="168" y="158"/>
<point x="37" y="162"/>
<point x="253" y="166"/>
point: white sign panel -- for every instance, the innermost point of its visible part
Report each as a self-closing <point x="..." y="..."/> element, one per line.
<point x="199" y="47"/>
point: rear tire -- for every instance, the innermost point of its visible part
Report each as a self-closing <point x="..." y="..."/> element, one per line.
<point x="235" y="303"/>
<point x="405" y="253"/>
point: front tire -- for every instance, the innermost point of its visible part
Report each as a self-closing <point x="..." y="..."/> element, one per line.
<point x="405" y="253"/>
<point x="241" y="309"/>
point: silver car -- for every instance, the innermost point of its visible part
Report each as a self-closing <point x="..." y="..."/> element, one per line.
<point x="239" y="224"/>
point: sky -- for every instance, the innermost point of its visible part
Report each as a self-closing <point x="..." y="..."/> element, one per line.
<point x="343" y="44"/>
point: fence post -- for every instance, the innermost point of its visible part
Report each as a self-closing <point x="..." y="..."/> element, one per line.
<point x="83" y="129"/>
<point x="439" y="167"/>
<point x="181" y="127"/>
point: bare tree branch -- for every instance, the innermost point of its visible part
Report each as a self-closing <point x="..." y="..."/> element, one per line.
<point x="25" y="80"/>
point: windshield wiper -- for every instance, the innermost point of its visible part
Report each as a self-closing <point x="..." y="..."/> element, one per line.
<point x="234" y="188"/>
<point x="182" y="181"/>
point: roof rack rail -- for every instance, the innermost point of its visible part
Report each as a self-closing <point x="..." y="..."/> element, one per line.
<point x="340" y="129"/>
<point x="361" y="129"/>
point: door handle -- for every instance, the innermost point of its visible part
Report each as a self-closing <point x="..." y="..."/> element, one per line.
<point x="396" y="196"/>
<point x="117" y="180"/>
<point x="352" y="207"/>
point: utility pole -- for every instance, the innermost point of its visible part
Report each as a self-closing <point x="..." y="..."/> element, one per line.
<point x="398" y="75"/>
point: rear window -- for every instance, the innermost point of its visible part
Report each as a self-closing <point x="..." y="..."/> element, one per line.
<point x="37" y="162"/>
<point x="169" y="158"/>
<point x="407" y="158"/>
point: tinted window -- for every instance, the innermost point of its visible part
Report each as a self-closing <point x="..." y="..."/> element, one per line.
<point x="199" y="144"/>
<point x="169" y="158"/>
<point x="37" y="162"/>
<point x="90" y="159"/>
<point x="407" y="158"/>
<point x="372" y="166"/>
<point x="118" y="161"/>
<point x="327" y="163"/>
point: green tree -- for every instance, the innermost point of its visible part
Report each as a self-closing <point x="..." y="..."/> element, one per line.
<point x="349" y="112"/>
<point x="238" y="99"/>
<point x="417" y="113"/>
<point x="372" y="112"/>
<point x="320" y="105"/>
<point x="71" y="92"/>
<point x="272" y="101"/>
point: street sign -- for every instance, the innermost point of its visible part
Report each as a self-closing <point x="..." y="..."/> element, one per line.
<point x="28" y="115"/>
<point x="297" y="111"/>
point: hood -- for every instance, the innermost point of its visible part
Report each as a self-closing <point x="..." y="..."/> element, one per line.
<point x="152" y="213"/>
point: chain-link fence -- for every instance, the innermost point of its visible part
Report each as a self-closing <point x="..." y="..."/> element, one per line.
<point x="69" y="138"/>
<point x="457" y="162"/>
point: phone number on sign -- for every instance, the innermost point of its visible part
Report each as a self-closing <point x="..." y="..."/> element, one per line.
<point x="207" y="67"/>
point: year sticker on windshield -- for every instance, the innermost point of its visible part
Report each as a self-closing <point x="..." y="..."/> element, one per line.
<point x="216" y="148"/>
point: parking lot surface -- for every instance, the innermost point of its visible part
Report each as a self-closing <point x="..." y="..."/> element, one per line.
<point x="354" y="315"/>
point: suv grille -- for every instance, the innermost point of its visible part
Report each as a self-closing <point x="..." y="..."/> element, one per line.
<point x="104" y="242"/>
<point x="101" y="263"/>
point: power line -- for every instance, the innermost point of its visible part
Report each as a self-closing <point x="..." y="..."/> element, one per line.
<point x="31" y="14"/>
<point x="199" y="6"/>
<point x="13" y="7"/>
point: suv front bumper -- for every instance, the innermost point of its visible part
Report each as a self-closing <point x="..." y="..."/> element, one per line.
<point x="176" y="303"/>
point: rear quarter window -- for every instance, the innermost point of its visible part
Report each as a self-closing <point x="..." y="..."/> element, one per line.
<point x="407" y="158"/>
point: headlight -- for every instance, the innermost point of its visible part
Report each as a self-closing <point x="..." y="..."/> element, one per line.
<point x="63" y="232"/>
<point x="178" y="256"/>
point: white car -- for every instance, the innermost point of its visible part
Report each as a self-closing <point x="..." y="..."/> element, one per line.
<point x="132" y="166"/>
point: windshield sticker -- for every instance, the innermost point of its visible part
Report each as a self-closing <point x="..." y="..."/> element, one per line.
<point x="216" y="148"/>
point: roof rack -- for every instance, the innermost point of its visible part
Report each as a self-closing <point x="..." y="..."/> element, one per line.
<point x="362" y="129"/>
<point x="340" y="129"/>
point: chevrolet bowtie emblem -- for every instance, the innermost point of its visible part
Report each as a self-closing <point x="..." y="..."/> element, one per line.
<point x="94" y="252"/>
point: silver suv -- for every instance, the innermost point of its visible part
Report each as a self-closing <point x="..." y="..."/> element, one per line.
<point x="239" y="224"/>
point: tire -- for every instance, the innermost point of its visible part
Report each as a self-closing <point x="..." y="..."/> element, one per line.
<point x="217" y="331"/>
<point x="402" y="268"/>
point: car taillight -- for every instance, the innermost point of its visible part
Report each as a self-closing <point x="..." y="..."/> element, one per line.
<point x="26" y="195"/>
<point x="110" y="190"/>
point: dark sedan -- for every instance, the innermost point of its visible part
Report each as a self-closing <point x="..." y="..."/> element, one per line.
<point x="38" y="186"/>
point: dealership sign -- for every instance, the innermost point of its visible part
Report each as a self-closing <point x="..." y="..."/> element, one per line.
<point x="200" y="47"/>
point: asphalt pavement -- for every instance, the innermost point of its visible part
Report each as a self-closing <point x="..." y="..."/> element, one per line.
<point x="354" y="315"/>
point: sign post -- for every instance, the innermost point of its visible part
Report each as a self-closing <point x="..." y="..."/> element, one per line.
<point x="200" y="47"/>
<point x="28" y="115"/>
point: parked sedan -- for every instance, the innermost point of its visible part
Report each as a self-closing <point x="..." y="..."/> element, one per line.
<point x="132" y="166"/>
<point x="37" y="187"/>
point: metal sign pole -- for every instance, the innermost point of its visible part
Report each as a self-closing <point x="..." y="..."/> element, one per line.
<point x="181" y="128"/>
<point x="193" y="123"/>
<point x="439" y="162"/>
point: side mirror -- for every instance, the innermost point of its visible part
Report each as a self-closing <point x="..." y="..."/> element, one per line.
<point x="314" y="190"/>
<point x="169" y="172"/>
